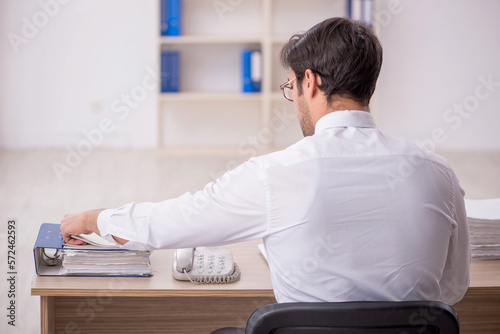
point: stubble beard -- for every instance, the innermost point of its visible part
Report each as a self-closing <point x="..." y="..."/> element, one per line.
<point x="305" y="120"/>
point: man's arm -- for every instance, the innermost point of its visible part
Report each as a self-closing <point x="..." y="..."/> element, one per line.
<point x="82" y="223"/>
<point x="231" y="209"/>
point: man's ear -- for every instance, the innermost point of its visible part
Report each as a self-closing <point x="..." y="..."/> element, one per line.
<point x="310" y="83"/>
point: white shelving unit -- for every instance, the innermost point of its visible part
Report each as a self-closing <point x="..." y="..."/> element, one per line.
<point x="210" y="110"/>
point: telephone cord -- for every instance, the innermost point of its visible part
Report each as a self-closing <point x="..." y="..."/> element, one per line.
<point x="216" y="279"/>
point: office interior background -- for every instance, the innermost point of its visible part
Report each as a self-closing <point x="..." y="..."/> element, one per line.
<point x="82" y="126"/>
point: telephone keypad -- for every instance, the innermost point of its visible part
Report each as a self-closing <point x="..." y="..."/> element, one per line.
<point x="210" y="263"/>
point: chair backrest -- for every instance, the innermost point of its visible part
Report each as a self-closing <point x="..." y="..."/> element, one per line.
<point x="413" y="317"/>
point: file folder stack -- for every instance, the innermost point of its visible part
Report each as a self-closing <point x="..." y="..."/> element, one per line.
<point x="54" y="258"/>
<point x="109" y="262"/>
<point x="484" y="226"/>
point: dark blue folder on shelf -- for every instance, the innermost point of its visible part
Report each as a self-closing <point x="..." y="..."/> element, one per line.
<point x="47" y="252"/>
<point x="170" y="62"/>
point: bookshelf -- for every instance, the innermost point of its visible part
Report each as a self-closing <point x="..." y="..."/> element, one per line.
<point x="210" y="111"/>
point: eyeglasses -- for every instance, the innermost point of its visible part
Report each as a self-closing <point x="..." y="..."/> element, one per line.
<point x="287" y="89"/>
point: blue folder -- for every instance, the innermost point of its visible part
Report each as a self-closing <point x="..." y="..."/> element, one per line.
<point x="50" y="238"/>
<point x="251" y="83"/>
<point x="170" y="77"/>
<point x="171" y="17"/>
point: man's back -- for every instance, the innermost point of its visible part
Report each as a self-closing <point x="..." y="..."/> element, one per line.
<point x="347" y="213"/>
<point x="358" y="215"/>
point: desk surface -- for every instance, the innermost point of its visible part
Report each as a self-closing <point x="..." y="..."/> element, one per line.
<point x="255" y="280"/>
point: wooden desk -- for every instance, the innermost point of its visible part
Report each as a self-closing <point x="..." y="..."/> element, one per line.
<point x="158" y="304"/>
<point x="161" y="304"/>
<point x="479" y="310"/>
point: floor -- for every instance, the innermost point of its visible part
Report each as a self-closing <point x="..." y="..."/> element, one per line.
<point x="38" y="186"/>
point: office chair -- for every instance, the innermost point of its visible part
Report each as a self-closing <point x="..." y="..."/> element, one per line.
<point x="414" y="317"/>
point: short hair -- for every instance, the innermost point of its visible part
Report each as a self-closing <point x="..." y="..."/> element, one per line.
<point x="344" y="53"/>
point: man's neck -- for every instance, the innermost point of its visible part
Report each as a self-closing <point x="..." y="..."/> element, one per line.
<point x="337" y="105"/>
<point x="347" y="104"/>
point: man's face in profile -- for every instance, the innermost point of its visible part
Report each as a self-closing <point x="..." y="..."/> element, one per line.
<point x="302" y="108"/>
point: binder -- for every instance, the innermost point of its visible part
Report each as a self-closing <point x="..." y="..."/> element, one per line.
<point x="163" y="17"/>
<point x="49" y="248"/>
<point x="251" y="70"/>
<point x="355" y="9"/>
<point x="170" y="17"/>
<point x="170" y="78"/>
<point x="164" y="71"/>
<point x="367" y="13"/>
<point x="256" y="70"/>
<point x="361" y="10"/>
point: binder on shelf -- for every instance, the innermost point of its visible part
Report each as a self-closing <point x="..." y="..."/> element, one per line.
<point x="170" y="17"/>
<point x="170" y="80"/>
<point x="54" y="258"/>
<point x="361" y="10"/>
<point x="251" y="70"/>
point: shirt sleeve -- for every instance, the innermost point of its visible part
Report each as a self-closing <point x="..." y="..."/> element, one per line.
<point x="231" y="209"/>
<point x="456" y="275"/>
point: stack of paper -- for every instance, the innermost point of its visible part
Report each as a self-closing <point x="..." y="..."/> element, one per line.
<point x="96" y="258"/>
<point x="100" y="257"/>
<point x="484" y="226"/>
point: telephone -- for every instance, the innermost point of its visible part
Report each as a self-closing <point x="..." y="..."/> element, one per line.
<point x="205" y="265"/>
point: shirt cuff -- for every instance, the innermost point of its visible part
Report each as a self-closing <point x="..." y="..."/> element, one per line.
<point x="103" y="220"/>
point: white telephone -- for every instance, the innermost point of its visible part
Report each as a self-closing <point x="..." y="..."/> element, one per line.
<point x="205" y="265"/>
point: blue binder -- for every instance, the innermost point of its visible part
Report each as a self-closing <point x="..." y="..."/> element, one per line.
<point x="170" y="78"/>
<point x="250" y="71"/>
<point x="171" y="17"/>
<point x="163" y="17"/>
<point x="50" y="238"/>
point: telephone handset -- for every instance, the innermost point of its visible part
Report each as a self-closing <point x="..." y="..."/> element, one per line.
<point x="205" y="265"/>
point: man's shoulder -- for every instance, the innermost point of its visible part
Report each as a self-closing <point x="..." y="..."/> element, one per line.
<point x="415" y="151"/>
<point x="315" y="147"/>
<point x="293" y="154"/>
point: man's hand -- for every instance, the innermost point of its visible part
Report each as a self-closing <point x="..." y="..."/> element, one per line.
<point x="74" y="224"/>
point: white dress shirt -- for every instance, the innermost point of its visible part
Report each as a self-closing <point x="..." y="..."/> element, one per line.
<point x="348" y="214"/>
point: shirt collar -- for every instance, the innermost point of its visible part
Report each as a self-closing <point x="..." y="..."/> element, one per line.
<point x="345" y="118"/>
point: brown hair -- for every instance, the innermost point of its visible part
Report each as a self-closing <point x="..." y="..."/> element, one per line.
<point x="344" y="53"/>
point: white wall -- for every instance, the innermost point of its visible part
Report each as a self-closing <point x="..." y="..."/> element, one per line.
<point x="435" y="54"/>
<point x="65" y="79"/>
<point x="68" y="74"/>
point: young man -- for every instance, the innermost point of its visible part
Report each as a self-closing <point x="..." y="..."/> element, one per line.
<point x="346" y="214"/>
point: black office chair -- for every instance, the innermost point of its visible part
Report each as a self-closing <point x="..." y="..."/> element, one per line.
<point x="414" y="317"/>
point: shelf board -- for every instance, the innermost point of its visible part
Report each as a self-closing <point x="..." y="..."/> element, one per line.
<point x="210" y="96"/>
<point x="216" y="39"/>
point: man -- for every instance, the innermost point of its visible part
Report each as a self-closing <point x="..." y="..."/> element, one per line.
<point x="346" y="214"/>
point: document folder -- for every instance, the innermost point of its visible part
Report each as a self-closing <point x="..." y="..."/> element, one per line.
<point x="49" y="257"/>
